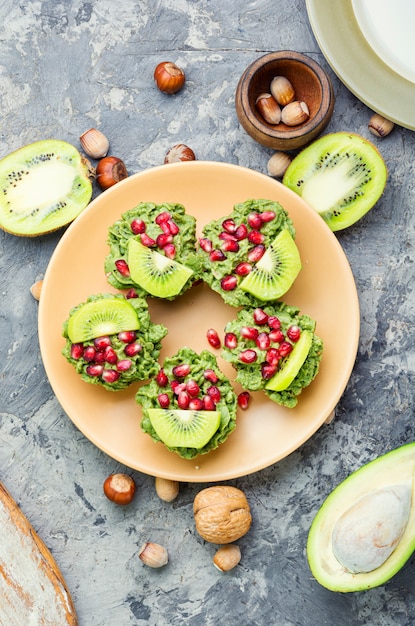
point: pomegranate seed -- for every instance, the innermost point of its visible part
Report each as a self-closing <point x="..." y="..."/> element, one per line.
<point x="131" y="293"/>
<point x="110" y="355"/>
<point x="208" y="403"/>
<point x="77" y="350"/>
<point x="132" y="349"/>
<point x="230" y="246"/>
<point x="227" y="237"/>
<point x="138" y="226"/>
<point x="94" y="370"/>
<point x="243" y="400"/>
<point x="211" y="376"/>
<point x="229" y="225"/>
<point x="124" y="365"/>
<point x="213" y="338"/>
<point x="268" y="370"/>
<point x="122" y="267"/>
<point x="248" y="356"/>
<point x="256" y="237"/>
<point x="249" y="332"/>
<point x="276" y="336"/>
<point x="241" y="232"/>
<point x="170" y="250"/>
<point x="260" y="317"/>
<point x="229" y="283"/>
<point x="263" y="341"/>
<point x="165" y="228"/>
<point x="102" y="342"/>
<point x="294" y="332"/>
<point x="163" y="400"/>
<point x="214" y="393"/>
<point x="243" y="269"/>
<point x="272" y="356"/>
<point x="254" y="220"/>
<point x="163" y="239"/>
<point x="196" y="404"/>
<point x="174" y="384"/>
<point x="174" y="229"/>
<point x="183" y="400"/>
<point x="147" y="241"/>
<point x="255" y="254"/>
<point x="89" y="353"/>
<point x="110" y="376"/>
<point x="267" y="216"/>
<point x="99" y="357"/>
<point x="181" y="370"/>
<point x="230" y="341"/>
<point x="285" y="348"/>
<point x="162" y="217"/>
<point x="161" y="378"/>
<point x="127" y="336"/>
<point x="205" y="244"/>
<point x="192" y="388"/>
<point x="217" y="255"/>
<point x="274" y="322"/>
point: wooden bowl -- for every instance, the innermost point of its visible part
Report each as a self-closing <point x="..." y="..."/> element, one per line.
<point x="311" y="84"/>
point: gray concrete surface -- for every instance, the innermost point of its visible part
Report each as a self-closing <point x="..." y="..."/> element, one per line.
<point x="66" y="66"/>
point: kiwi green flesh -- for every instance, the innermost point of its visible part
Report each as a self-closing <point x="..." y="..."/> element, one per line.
<point x="341" y="176"/>
<point x="157" y="274"/>
<point x="44" y="186"/>
<point x="391" y="472"/>
<point x="289" y="370"/>
<point x="275" y="272"/>
<point x="183" y="428"/>
<point x="100" y="318"/>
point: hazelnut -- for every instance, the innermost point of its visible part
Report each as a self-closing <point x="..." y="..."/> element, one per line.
<point x="278" y="164"/>
<point x="153" y="554"/>
<point x="36" y="289"/>
<point x="222" y="514"/>
<point x="169" y="77"/>
<point x="179" y="152"/>
<point x="227" y="557"/>
<point x="380" y="126"/>
<point x="295" y="113"/>
<point x="282" y="90"/>
<point x="119" y="488"/>
<point x="94" y="143"/>
<point x="268" y="108"/>
<point x="166" y="489"/>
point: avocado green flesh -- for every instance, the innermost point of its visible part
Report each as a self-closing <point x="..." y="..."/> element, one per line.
<point x="184" y="428"/>
<point x="100" y="318"/>
<point x="393" y="471"/>
<point x="45" y="185"/>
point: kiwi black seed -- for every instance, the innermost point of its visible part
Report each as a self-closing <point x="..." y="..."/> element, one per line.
<point x="44" y="186"/>
<point x="341" y="176"/>
<point x="157" y="274"/>
<point x="276" y="271"/>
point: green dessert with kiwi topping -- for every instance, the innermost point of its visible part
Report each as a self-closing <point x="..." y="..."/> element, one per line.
<point x="190" y="405"/>
<point x="250" y="256"/>
<point x="111" y="341"/>
<point x="152" y="250"/>
<point x="274" y="348"/>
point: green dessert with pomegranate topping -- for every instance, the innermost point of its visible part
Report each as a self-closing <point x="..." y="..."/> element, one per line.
<point x="273" y="348"/>
<point x="152" y="249"/>
<point x="190" y="405"/>
<point x="111" y="341"/>
<point x="250" y="256"/>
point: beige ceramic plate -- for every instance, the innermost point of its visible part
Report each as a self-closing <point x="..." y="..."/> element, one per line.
<point x="265" y="433"/>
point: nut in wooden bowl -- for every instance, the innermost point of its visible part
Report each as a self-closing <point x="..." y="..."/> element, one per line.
<point x="311" y="95"/>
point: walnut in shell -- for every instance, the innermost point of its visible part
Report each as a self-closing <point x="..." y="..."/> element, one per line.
<point x="222" y="514"/>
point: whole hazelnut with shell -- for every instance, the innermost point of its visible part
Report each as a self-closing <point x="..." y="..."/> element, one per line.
<point x="222" y="514"/>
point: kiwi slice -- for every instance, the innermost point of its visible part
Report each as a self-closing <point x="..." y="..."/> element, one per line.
<point x="44" y="186"/>
<point x="285" y="376"/>
<point x="157" y="274"/>
<point x="180" y="428"/>
<point x="341" y="176"/>
<point x="98" y="318"/>
<point x="276" y="271"/>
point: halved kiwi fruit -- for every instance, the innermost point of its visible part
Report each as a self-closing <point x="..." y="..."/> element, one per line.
<point x="184" y="428"/>
<point x="157" y="274"/>
<point x="341" y="176"/>
<point x="275" y="272"/>
<point x="285" y="376"/>
<point x="44" y="186"/>
<point x="97" y="318"/>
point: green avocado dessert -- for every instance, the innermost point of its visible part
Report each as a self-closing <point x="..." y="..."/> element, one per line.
<point x="250" y="256"/>
<point x="111" y="341"/>
<point x="364" y="532"/>
<point x="190" y="405"/>
<point x="273" y="348"/>
<point x="152" y="250"/>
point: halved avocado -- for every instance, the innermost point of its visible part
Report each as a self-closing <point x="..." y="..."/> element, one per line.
<point x="366" y="523"/>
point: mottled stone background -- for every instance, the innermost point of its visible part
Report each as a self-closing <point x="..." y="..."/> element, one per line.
<point x="66" y="66"/>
